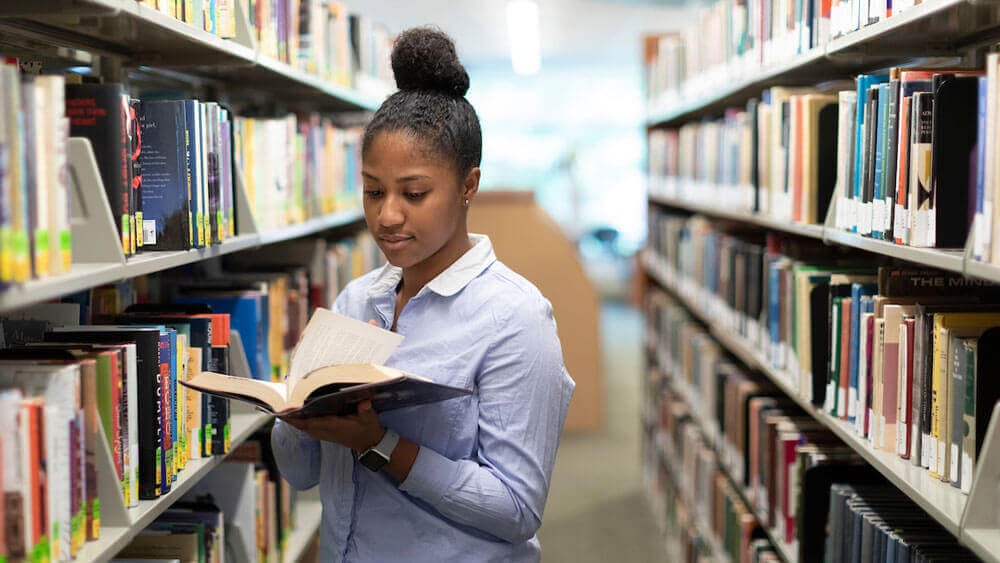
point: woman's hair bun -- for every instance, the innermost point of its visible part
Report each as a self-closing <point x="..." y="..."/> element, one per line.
<point x="424" y="58"/>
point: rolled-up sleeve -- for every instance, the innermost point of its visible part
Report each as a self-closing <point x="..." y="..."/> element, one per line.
<point x="524" y="392"/>
<point x="297" y="454"/>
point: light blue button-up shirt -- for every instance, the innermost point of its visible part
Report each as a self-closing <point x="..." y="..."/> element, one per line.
<point x="477" y="489"/>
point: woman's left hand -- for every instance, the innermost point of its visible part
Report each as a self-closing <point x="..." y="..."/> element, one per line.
<point x="359" y="431"/>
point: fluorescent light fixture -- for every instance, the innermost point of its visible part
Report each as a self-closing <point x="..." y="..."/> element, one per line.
<point x="523" y="33"/>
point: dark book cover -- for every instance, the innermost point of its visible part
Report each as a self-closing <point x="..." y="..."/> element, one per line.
<point x="150" y="400"/>
<point x="216" y="436"/>
<point x="819" y="318"/>
<point x="891" y="158"/>
<point x="986" y="387"/>
<point x="752" y="124"/>
<point x="211" y="119"/>
<point x="953" y="139"/>
<point x="868" y="163"/>
<point x="166" y="213"/>
<point x="826" y="155"/>
<point x="815" y="498"/>
<point x="99" y="113"/>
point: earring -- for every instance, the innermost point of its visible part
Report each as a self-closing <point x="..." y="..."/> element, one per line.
<point x="466" y="202"/>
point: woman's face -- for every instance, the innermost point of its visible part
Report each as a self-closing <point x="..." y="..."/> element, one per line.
<point x="414" y="203"/>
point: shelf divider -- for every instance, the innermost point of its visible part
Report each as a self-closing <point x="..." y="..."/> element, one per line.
<point x="981" y="523"/>
<point x="95" y="235"/>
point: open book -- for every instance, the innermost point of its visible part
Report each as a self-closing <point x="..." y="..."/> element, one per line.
<point x="335" y="365"/>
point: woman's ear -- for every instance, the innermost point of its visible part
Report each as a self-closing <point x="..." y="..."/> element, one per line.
<point x="470" y="186"/>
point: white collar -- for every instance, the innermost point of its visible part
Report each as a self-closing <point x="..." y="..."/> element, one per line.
<point x="450" y="281"/>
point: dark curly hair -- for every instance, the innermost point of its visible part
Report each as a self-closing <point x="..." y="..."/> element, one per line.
<point x="430" y="102"/>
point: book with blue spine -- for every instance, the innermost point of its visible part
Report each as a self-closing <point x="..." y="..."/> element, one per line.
<point x="864" y="82"/>
<point x="980" y="231"/>
<point x="192" y="116"/>
<point x="878" y="193"/>
<point x="248" y="311"/>
<point x="858" y="290"/>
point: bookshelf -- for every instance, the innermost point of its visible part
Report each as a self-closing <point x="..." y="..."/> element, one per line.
<point x="747" y="61"/>
<point x="116" y="537"/>
<point x="145" y="36"/>
<point x="126" y="41"/>
<point x="941" y="501"/>
<point x="926" y="30"/>
<point x="710" y="432"/>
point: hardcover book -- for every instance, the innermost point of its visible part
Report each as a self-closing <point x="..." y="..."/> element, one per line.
<point x="329" y="377"/>
<point x="166" y="192"/>
<point x="99" y="112"/>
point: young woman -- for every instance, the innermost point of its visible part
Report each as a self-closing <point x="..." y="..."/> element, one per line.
<point x="464" y="479"/>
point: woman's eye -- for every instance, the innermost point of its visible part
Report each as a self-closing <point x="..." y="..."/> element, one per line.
<point x="373" y="193"/>
<point x="414" y="196"/>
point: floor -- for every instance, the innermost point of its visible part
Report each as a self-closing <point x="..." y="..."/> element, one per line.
<point x="596" y="509"/>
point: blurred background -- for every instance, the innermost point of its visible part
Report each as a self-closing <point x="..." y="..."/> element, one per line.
<point x="570" y="129"/>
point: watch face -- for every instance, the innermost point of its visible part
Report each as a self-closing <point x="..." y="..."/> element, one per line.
<point x="373" y="460"/>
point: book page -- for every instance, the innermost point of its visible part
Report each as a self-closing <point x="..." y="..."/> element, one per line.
<point x="331" y="339"/>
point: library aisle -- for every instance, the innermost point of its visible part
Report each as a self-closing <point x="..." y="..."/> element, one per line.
<point x="597" y="510"/>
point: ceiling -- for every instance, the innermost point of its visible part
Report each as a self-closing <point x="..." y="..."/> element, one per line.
<point x="573" y="31"/>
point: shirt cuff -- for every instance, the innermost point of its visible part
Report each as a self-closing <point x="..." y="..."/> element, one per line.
<point x="430" y="476"/>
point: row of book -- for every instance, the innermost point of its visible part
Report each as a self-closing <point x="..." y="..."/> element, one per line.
<point x="124" y="376"/>
<point x="902" y="355"/>
<point x="732" y="430"/>
<point x="214" y="16"/>
<point x="905" y="156"/>
<point x="243" y="510"/>
<point x="776" y="156"/>
<point x="297" y="168"/>
<point x="321" y="37"/>
<point x="169" y="170"/>
<point x="76" y="380"/>
<point x="734" y="38"/>
<point x="35" y="238"/>
<point x="913" y="144"/>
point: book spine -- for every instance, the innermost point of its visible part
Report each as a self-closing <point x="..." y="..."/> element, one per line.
<point x="901" y="226"/>
<point x="890" y="160"/>
<point x="956" y="410"/>
<point x="921" y="189"/>
<point x="982" y="230"/>
<point x="165" y="464"/>
<point x="98" y="113"/>
<point x="969" y="452"/>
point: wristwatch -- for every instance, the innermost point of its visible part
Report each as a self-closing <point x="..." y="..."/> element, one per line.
<point x="376" y="457"/>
